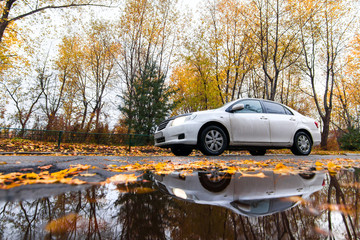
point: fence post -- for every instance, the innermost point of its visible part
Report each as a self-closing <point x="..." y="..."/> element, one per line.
<point x="59" y="138"/>
<point x="129" y="142"/>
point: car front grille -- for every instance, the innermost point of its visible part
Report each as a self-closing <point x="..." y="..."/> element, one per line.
<point x="160" y="140"/>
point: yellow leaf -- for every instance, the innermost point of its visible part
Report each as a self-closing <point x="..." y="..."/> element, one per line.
<point x="280" y="166"/>
<point x="231" y="170"/>
<point x="122" y="178"/>
<point x="257" y="175"/>
<point x="88" y="174"/>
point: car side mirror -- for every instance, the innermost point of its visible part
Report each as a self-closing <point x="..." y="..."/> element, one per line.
<point x="237" y="107"/>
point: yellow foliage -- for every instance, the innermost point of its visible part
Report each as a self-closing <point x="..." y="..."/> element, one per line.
<point x="63" y="224"/>
<point x="195" y="89"/>
<point x="9" y="46"/>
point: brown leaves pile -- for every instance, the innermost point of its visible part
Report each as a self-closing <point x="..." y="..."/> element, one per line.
<point x="15" y="179"/>
<point x="23" y="146"/>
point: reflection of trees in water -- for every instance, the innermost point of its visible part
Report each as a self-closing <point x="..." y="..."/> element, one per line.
<point x="27" y="219"/>
<point x="154" y="215"/>
<point x="143" y="216"/>
<point x="211" y="222"/>
<point x="194" y="221"/>
<point x="343" y="190"/>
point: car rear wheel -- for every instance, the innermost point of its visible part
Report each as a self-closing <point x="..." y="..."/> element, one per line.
<point x="213" y="141"/>
<point x="257" y="152"/>
<point x="302" y="144"/>
<point x="181" y="150"/>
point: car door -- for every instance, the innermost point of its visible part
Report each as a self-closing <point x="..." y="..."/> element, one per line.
<point x="282" y="123"/>
<point x="250" y="126"/>
<point x="251" y="186"/>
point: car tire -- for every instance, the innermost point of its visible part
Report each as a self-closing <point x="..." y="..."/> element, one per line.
<point x="213" y="141"/>
<point x="302" y="144"/>
<point x="181" y="150"/>
<point x="214" y="181"/>
<point x="258" y="152"/>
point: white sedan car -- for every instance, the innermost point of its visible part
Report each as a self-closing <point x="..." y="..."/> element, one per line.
<point x="252" y="124"/>
<point x="244" y="194"/>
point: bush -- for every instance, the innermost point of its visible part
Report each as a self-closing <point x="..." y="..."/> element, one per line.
<point x="350" y="140"/>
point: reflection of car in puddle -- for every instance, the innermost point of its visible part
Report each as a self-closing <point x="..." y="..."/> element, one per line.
<point x="246" y="194"/>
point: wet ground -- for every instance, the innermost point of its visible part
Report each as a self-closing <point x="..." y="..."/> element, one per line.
<point x="202" y="204"/>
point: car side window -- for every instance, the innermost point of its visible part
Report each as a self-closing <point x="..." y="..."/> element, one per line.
<point x="274" y="108"/>
<point x="250" y="106"/>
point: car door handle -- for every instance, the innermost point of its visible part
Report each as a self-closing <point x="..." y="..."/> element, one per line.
<point x="263" y="118"/>
<point x="292" y="119"/>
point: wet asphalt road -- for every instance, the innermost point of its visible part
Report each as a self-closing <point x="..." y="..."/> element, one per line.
<point x="25" y="164"/>
<point x="16" y="163"/>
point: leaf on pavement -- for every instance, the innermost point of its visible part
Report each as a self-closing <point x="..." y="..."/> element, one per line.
<point x="122" y="179"/>
<point x="45" y="167"/>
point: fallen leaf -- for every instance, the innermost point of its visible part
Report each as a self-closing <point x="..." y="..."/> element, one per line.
<point x="88" y="174"/>
<point x="122" y="179"/>
<point x="45" y="167"/>
<point x="26" y="169"/>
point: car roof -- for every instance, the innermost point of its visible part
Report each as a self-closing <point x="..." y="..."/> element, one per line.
<point x="226" y="105"/>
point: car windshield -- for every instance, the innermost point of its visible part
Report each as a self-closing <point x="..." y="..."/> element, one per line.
<point x="226" y="105"/>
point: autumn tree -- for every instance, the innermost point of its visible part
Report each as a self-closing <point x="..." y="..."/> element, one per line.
<point x="102" y="51"/>
<point x="194" y="85"/>
<point x="324" y="37"/>
<point x="346" y="92"/>
<point x="216" y="60"/>
<point x="86" y="66"/>
<point x="15" y="10"/>
<point x="147" y="36"/>
<point x="68" y="65"/>
<point x="275" y="40"/>
<point x="25" y="98"/>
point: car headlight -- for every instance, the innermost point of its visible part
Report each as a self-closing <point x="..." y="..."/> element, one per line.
<point x="180" y="120"/>
<point x="179" y="193"/>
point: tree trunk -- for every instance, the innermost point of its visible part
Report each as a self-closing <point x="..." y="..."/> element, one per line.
<point x="326" y="129"/>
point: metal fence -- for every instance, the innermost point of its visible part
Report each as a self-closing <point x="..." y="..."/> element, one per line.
<point x="77" y="137"/>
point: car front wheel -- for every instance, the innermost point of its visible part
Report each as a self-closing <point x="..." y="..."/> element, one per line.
<point x="181" y="150"/>
<point x="302" y="144"/>
<point x="214" y="181"/>
<point x="213" y="141"/>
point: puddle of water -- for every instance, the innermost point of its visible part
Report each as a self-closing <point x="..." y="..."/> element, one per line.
<point x="201" y="205"/>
